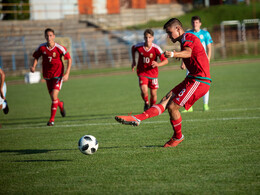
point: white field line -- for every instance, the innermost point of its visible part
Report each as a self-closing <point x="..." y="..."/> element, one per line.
<point x="43" y="125"/>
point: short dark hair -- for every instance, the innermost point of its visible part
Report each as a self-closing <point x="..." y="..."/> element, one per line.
<point x="172" y="21"/>
<point x="195" y="18"/>
<point x="149" y="31"/>
<point x="48" y="30"/>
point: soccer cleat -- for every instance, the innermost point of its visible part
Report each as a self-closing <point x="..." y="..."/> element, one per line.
<point x="6" y="109"/>
<point x="62" y="110"/>
<point x="190" y="110"/>
<point x="128" y="120"/>
<point x="173" y="142"/>
<point x="206" y="107"/>
<point x="146" y="107"/>
<point x="50" y="123"/>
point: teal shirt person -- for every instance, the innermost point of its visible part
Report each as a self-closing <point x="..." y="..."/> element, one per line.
<point x="204" y="37"/>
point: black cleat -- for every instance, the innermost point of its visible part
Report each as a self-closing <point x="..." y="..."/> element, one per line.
<point x="146" y="107"/>
<point x="50" y="123"/>
<point x="6" y="109"/>
<point x="62" y="111"/>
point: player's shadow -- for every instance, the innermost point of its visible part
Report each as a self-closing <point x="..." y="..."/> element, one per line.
<point x="30" y="151"/>
<point x="58" y="160"/>
<point x="36" y="120"/>
<point x="118" y="147"/>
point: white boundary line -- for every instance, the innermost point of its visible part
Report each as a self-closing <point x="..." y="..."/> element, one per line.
<point x="43" y="125"/>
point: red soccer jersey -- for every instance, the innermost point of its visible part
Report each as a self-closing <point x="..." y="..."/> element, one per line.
<point x="52" y="65"/>
<point x="198" y="63"/>
<point x="144" y="66"/>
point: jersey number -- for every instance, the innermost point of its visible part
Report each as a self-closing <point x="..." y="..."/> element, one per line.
<point x="146" y="60"/>
<point x="50" y="58"/>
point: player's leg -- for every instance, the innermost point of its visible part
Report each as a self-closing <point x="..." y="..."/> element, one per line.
<point x="206" y="101"/>
<point x="143" y="83"/>
<point x="153" y="85"/>
<point x="155" y="110"/>
<point x="153" y="97"/>
<point x="187" y="94"/>
<point x="176" y="122"/>
<point x="54" y="86"/>
<point x="191" y="108"/>
<point x="54" y="106"/>
<point x="144" y="95"/>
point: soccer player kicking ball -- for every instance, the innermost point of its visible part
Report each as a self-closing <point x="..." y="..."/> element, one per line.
<point x="3" y="102"/>
<point x="53" y="69"/>
<point x="147" y="67"/>
<point x="206" y="41"/>
<point x="185" y="94"/>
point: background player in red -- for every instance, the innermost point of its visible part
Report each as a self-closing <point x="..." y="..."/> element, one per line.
<point x="185" y="94"/>
<point x="53" y="69"/>
<point x="147" y="67"/>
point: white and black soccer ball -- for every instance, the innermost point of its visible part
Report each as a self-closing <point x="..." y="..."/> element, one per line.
<point x="88" y="144"/>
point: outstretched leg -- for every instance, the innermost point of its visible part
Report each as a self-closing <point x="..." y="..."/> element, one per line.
<point x="155" y="110"/>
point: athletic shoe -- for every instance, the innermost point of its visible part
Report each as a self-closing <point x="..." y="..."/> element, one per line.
<point x="50" y="123"/>
<point x="206" y="107"/>
<point x="62" y="110"/>
<point x="173" y="142"/>
<point x="190" y="110"/>
<point x="146" y="107"/>
<point x="6" y="109"/>
<point x="128" y="120"/>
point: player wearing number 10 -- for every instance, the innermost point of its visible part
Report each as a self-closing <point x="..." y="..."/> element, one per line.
<point x="53" y="69"/>
<point x="147" y="67"/>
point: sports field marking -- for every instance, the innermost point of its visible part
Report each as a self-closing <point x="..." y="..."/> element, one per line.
<point x="43" y="125"/>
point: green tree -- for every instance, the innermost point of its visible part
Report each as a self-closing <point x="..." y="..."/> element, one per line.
<point x="16" y="10"/>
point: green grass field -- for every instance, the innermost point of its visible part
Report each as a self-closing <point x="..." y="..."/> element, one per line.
<point x="220" y="153"/>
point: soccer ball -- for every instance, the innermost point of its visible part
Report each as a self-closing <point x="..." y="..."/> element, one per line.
<point x="88" y="144"/>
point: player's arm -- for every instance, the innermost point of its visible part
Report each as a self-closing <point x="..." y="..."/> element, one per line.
<point x="185" y="53"/>
<point x="67" y="73"/>
<point x="133" y="58"/>
<point x="2" y="74"/>
<point x="36" y="55"/>
<point x="32" y="68"/>
<point x="209" y="49"/>
<point x="162" y="63"/>
<point x="183" y="66"/>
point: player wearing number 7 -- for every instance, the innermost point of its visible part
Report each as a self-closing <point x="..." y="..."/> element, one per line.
<point x="53" y="70"/>
<point x="147" y="67"/>
<point x="194" y="86"/>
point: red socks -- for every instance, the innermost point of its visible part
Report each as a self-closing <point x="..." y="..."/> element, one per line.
<point x="54" y="107"/>
<point x="145" y="99"/>
<point x="176" y="125"/>
<point x="60" y="104"/>
<point x="152" y="102"/>
<point x="155" y="110"/>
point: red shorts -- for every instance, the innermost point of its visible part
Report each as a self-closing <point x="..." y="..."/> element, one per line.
<point x="188" y="92"/>
<point x="54" y="83"/>
<point x="152" y="83"/>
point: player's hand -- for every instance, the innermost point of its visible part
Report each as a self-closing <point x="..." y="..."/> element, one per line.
<point x="32" y="69"/>
<point x="65" y="77"/>
<point x="2" y="94"/>
<point x="154" y="64"/>
<point x="168" y="54"/>
<point x="183" y="67"/>
<point x="133" y="66"/>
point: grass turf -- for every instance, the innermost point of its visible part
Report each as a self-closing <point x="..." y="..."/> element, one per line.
<point x="220" y="153"/>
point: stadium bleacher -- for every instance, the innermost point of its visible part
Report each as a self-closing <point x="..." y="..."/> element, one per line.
<point x="91" y="47"/>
